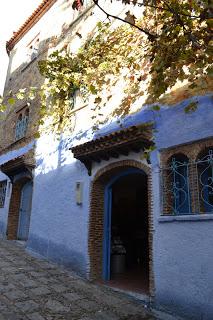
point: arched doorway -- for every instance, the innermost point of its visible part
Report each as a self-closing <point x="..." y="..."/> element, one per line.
<point x="20" y="210"/>
<point x="120" y="211"/>
<point x="126" y="252"/>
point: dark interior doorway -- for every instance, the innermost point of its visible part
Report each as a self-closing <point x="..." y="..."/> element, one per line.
<point x="129" y="261"/>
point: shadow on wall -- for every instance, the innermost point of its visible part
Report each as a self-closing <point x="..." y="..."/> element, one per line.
<point x="59" y="253"/>
<point x="186" y="309"/>
<point x="59" y="227"/>
<point x="3" y="228"/>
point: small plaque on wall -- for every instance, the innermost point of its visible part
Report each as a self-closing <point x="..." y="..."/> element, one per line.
<point x="79" y="192"/>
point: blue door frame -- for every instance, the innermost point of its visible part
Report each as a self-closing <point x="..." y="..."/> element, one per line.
<point x="107" y="219"/>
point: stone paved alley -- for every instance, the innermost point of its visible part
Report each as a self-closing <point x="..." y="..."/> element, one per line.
<point x="31" y="288"/>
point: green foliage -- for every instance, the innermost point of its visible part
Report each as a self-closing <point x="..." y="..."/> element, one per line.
<point x="191" y="107"/>
<point x="171" y="42"/>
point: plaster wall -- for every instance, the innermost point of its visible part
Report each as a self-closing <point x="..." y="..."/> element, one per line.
<point x="59" y="227"/>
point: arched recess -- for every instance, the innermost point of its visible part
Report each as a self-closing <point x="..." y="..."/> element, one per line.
<point x="14" y="208"/>
<point x="97" y="208"/>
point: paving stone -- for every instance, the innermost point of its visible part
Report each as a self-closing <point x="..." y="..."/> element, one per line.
<point x="3" y="307"/>
<point x="19" y="276"/>
<point x="108" y="299"/>
<point x="4" y="264"/>
<point x="55" y="306"/>
<point x="15" y="295"/>
<point x="27" y="306"/>
<point x="65" y="278"/>
<point x="40" y="291"/>
<point x="130" y="309"/>
<point x="59" y="288"/>
<point x="11" y="270"/>
<point x="53" y="272"/>
<point x="75" y="313"/>
<point x="72" y="296"/>
<point x="6" y="287"/>
<point x="105" y="315"/>
<point x="37" y="274"/>
<point x="43" y="280"/>
<point x="89" y="305"/>
<point x="28" y="283"/>
<point x="12" y="316"/>
<point x="2" y="278"/>
<point x="35" y="316"/>
<point x="27" y="268"/>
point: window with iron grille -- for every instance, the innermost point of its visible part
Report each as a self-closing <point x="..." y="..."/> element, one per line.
<point x="187" y="186"/>
<point x="3" y="187"/>
<point x="22" y="124"/>
<point x="176" y="195"/>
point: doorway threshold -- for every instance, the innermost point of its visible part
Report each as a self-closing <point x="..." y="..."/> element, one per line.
<point x="143" y="297"/>
<point x="21" y="242"/>
<point x="147" y="301"/>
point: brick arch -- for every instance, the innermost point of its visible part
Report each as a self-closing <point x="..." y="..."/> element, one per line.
<point x="177" y="154"/>
<point x="203" y="151"/>
<point x="121" y="165"/>
<point x="13" y="215"/>
<point x="96" y="222"/>
<point x="166" y="159"/>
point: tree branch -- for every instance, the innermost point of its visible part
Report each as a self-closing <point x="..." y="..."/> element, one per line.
<point x="150" y="36"/>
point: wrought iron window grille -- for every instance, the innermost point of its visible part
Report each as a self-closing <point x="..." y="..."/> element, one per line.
<point x="205" y="182"/>
<point x="22" y="124"/>
<point x="187" y="187"/>
<point x="21" y="127"/>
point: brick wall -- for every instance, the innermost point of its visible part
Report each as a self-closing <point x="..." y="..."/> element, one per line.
<point x="8" y="124"/>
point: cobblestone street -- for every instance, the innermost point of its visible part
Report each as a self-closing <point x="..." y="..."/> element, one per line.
<point x="34" y="289"/>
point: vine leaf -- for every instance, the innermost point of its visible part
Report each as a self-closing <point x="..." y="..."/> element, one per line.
<point x="130" y="17"/>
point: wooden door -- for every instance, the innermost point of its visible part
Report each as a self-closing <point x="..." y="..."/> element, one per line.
<point x="25" y="211"/>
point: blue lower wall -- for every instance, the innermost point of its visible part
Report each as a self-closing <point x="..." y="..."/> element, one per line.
<point x="183" y="263"/>
<point x="59" y="253"/>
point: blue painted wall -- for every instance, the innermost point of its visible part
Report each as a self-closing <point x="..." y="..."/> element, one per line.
<point x="59" y="227"/>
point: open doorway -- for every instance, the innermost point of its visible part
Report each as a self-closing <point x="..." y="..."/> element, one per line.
<point x="129" y="250"/>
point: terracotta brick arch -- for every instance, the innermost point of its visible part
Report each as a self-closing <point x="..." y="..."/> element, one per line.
<point x="13" y="215"/>
<point x="96" y="222"/>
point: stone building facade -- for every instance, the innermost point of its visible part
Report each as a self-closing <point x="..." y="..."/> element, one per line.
<point x="92" y="201"/>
